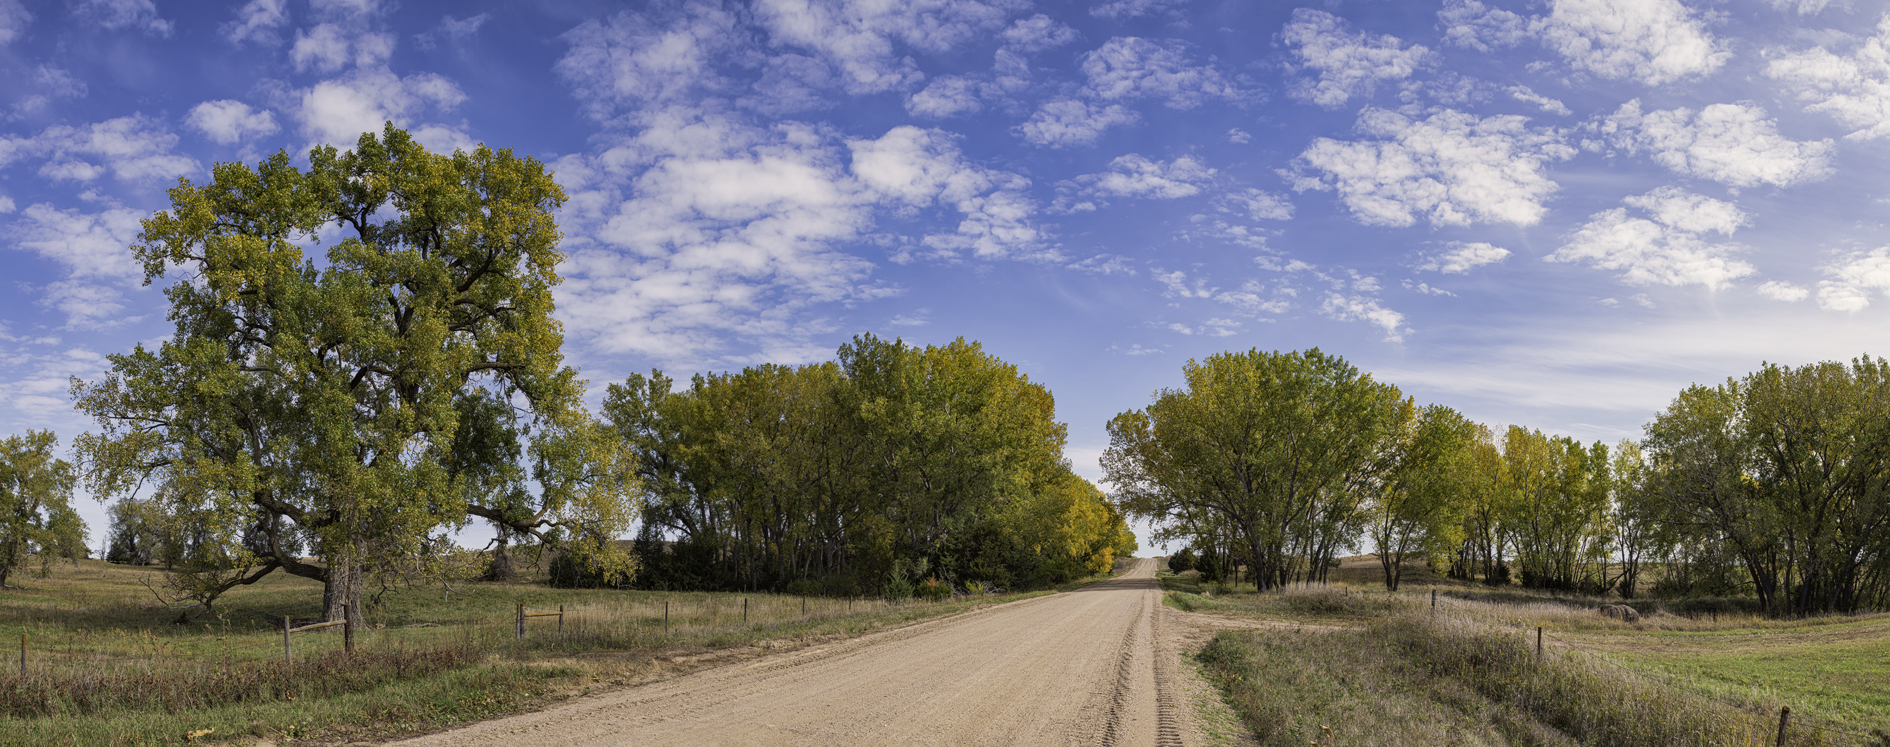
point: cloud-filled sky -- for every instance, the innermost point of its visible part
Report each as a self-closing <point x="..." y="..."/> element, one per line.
<point x="1555" y="213"/>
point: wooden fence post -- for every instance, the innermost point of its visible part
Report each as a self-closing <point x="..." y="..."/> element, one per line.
<point x="519" y="622"/>
<point x="665" y="617"/>
<point x="347" y="631"/>
<point x="287" y="658"/>
<point x="744" y="610"/>
<point x="1539" y="643"/>
<point x="22" y="654"/>
<point x="1433" y="603"/>
<point x="1784" y="718"/>
<point x="803" y="608"/>
<point x="560" y="621"/>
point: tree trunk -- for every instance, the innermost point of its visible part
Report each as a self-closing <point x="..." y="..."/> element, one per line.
<point x="344" y="585"/>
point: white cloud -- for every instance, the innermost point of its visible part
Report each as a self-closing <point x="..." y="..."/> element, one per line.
<point x="948" y="96"/>
<point x="1452" y="169"/>
<point x="1528" y="96"/>
<point x="858" y="36"/>
<point x="345" y="9"/>
<point x="118" y="14"/>
<point x="1067" y="122"/>
<point x="1127" y="68"/>
<point x="94" y="249"/>
<point x="229" y="122"/>
<point x="1732" y="144"/>
<point x="1471" y="24"/>
<point x="1652" y="41"/>
<point x="329" y="47"/>
<point x="1360" y="308"/>
<point x="134" y="149"/>
<point x="1801" y="7"/>
<point x="1779" y="290"/>
<point x="1350" y="63"/>
<point x="1037" y="33"/>
<point x="1669" y="249"/>
<point x="1463" y="257"/>
<point x="1120" y="9"/>
<point x="1136" y="176"/>
<point x="59" y="82"/>
<point x="338" y="111"/>
<point x="1853" y="278"/>
<point x="256" y="21"/>
<point x="912" y="167"/>
<point x="629" y="61"/>
<point x="13" y="21"/>
<point x="1239" y="136"/>
<point x="1854" y="89"/>
<point x="451" y="31"/>
<point x="1257" y="204"/>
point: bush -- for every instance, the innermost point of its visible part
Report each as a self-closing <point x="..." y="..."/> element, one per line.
<point x="933" y="589"/>
<point x="1498" y="576"/>
<point x="1181" y="561"/>
<point x="1210" y="568"/>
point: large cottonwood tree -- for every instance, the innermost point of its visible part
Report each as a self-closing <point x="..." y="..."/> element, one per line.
<point x="1273" y="449"/>
<point x="372" y="398"/>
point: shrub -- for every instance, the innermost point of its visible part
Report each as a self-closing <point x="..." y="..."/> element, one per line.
<point x="1181" y="561"/>
<point x="933" y="589"/>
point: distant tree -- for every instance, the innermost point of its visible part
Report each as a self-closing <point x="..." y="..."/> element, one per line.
<point x="36" y="516"/>
<point x="1268" y="449"/>
<point x="136" y="534"/>
<point x="1417" y="507"/>
<point x="1783" y="472"/>
<point x="369" y="402"/>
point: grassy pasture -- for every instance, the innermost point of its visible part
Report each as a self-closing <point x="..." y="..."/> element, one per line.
<point x="1377" y="668"/>
<point x="108" y="664"/>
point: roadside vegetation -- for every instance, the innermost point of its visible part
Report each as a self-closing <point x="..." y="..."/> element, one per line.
<point x="1349" y="662"/>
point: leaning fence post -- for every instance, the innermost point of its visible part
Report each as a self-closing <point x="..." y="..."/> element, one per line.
<point x="1784" y="718"/>
<point x="560" y="621"/>
<point x="286" y="657"/>
<point x="744" y="610"/>
<point x="347" y="631"/>
<point x="519" y="622"/>
<point x="1539" y="643"/>
<point x="665" y="617"/>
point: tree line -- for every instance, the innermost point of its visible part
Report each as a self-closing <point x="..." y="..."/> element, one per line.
<point x="893" y="465"/>
<point x="1776" y="484"/>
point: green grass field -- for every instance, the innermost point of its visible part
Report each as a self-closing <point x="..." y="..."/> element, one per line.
<point x="1378" y="668"/>
<point x="107" y="662"/>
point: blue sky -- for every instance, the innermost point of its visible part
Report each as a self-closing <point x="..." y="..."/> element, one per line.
<point x="1550" y="213"/>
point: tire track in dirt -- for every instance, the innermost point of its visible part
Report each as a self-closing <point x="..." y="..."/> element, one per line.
<point x="1080" y="667"/>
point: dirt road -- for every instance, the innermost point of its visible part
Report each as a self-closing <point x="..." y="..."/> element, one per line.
<point x="1081" y="667"/>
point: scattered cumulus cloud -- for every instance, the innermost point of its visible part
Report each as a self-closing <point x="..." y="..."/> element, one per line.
<point x="230" y="122"/>
<point x="1853" y="88"/>
<point x="1463" y="257"/>
<point x="1852" y="278"/>
<point x="1654" y="42"/>
<point x="1065" y="123"/>
<point x="1136" y="176"/>
<point x="946" y="96"/>
<point x="1037" y="33"/>
<point x="1350" y="63"/>
<point x="1801" y="7"/>
<point x="1669" y="247"/>
<point x="1528" y="96"/>
<point x="1118" y="10"/>
<point x="861" y="38"/>
<point x="1779" y="290"/>
<point x="13" y="21"/>
<point x="1451" y="169"/>
<point x="1734" y="144"/>
<point x="1362" y="308"/>
<point x="256" y="22"/>
<point x="1128" y="68"/>
<point x="1257" y="204"/>
<point x="337" y="111"/>
<point x="120" y="14"/>
<point x="451" y="31"/>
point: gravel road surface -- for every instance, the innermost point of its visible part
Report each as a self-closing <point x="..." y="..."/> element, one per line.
<point x="1080" y="667"/>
